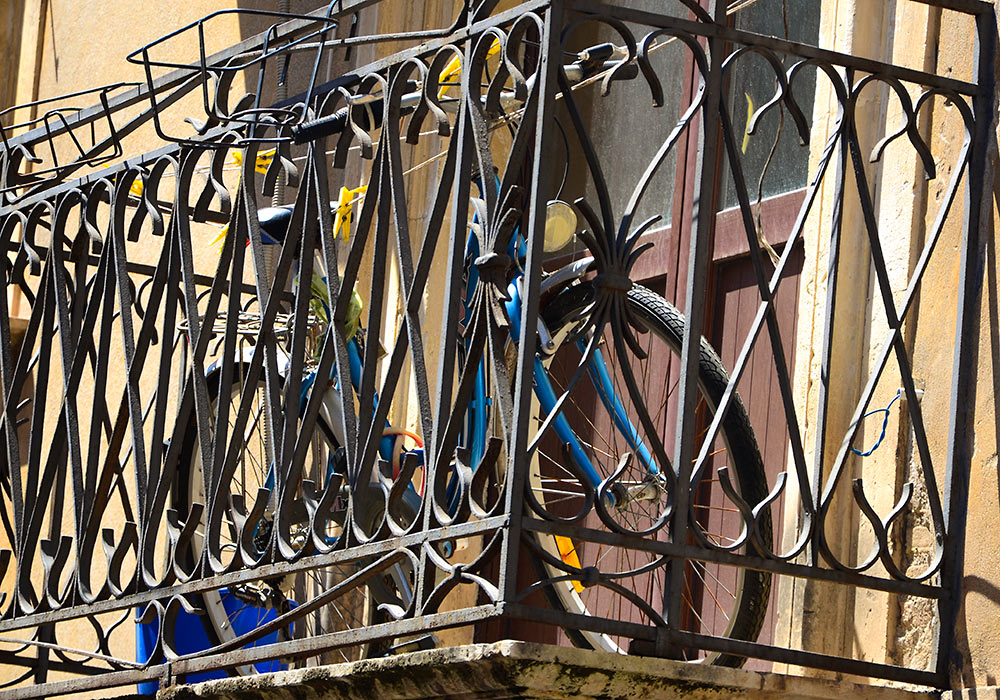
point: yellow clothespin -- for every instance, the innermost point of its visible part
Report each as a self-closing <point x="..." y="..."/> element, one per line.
<point x="454" y="70"/>
<point x="135" y="188"/>
<point x="220" y="239"/>
<point x="264" y="159"/>
<point x="341" y="221"/>
<point x="342" y="217"/>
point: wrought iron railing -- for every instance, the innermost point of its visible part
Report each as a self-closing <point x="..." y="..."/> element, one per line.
<point x="174" y="462"/>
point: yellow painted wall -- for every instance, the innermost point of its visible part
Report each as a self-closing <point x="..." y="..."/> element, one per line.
<point x="978" y="632"/>
<point x="70" y="45"/>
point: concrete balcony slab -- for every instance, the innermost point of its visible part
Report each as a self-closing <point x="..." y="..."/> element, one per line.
<point x="514" y="670"/>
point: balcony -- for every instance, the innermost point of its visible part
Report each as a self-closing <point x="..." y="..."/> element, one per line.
<point x="653" y="333"/>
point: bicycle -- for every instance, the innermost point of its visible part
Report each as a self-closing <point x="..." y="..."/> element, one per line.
<point x="618" y="479"/>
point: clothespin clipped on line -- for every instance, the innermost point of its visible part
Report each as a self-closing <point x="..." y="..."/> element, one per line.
<point x="342" y="210"/>
<point x="261" y="165"/>
<point x="264" y="159"/>
<point x="136" y="188"/>
<point x="342" y="215"/>
<point x="454" y="70"/>
<point x="746" y="132"/>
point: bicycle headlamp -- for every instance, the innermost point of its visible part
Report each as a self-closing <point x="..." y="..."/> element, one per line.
<point x="560" y="225"/>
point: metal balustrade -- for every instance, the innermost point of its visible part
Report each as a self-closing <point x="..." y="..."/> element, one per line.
<point x="151" y="361"/>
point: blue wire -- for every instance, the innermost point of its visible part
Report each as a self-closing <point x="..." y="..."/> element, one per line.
<point x="885" y="424"/>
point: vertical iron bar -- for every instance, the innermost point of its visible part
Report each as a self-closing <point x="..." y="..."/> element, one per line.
<point x="961" y="421"/>
<point x="766" y="313"/>
<point x="703" y="217"/>
<point x="270" y="255"/>
<point x="461" y="141"/>
<point x="550" y="61"/>
<point x="829" y="313"/>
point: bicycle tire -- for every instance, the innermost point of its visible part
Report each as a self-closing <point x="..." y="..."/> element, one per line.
<point x="212" y="602"/>
<point x="752" y="588"/>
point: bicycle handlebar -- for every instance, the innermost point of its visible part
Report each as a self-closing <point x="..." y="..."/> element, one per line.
<point x="592" y="62"/>
<point x="324" y="126"/>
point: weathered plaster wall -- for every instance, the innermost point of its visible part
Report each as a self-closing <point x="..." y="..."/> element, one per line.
<point x="978" y="632"/>
<point x="858" y="28"/>
<point x="70" y="45"/>
<point x="877" y="626"/>
<point x="11" y="14"/>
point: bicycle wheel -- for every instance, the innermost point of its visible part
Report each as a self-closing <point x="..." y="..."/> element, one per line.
<point x="234" y="611"/>
<point x="721" y="601"/>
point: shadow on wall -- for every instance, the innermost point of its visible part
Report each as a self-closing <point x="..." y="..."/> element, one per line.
<point x="11" y="18"/>
<point x="963" y="653"/>
<point x="975" y="585"/>
<point x="993" y="309"/>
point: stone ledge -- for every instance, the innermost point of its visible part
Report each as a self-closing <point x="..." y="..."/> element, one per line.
<point x="985" y="693"/>
<point x="514" y="670"/>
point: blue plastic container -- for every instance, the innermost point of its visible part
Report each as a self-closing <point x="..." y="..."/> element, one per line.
<point x="191" y="637"/>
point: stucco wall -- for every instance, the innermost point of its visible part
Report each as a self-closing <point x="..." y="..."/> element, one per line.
<point x="69" y="45"/>
<point x="876" y="626"/>
<point x="978" y="632"/>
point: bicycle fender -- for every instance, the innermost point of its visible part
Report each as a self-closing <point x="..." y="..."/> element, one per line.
<point x="566" y="274"/>
<point x="560" y="278"/>
<point x="332" y="413"/>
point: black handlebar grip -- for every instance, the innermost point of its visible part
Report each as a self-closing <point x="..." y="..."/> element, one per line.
<point x="367" y="119"/>
<point x="324" y="126"/>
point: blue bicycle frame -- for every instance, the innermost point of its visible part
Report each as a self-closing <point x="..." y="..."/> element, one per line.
<point x="597" y="370"/>
<point x="474" y="435"/>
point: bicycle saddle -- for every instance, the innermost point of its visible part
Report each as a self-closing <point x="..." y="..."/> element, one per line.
<point x="274" y="223"/>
